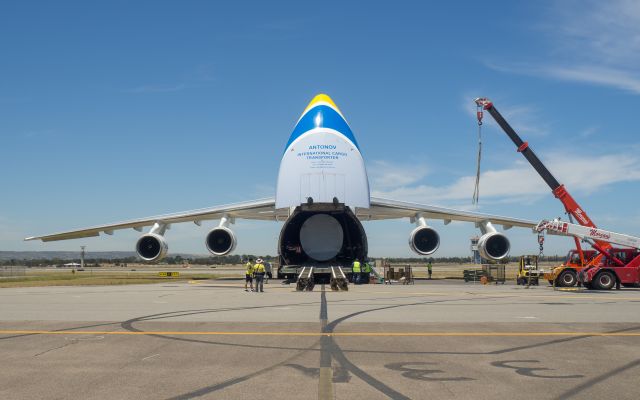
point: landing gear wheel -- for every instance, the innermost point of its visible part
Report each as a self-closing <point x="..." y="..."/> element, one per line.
<point x="605" y="281"/>
<point x="567" y="279"/>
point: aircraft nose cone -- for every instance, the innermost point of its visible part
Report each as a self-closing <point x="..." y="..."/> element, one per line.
<point x="321" y="99"/>
<point x="321" y="112"/>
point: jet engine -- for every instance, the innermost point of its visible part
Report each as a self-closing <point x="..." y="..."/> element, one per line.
<point x="493" y="246"/>
<point x="151" y="247"/>
<point x="220" y="241"/>
<point x="424" y="240"/>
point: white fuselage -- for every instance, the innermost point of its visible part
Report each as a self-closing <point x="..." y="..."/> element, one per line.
<point x="322" y="178"/>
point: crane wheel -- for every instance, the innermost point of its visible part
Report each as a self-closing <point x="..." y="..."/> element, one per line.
<point x="567" y="279"/>
<point x="605" y="281"/>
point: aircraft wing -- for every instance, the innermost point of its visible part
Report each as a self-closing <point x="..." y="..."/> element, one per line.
<point x="391" y="209"/>
<point x="263" y="209"/>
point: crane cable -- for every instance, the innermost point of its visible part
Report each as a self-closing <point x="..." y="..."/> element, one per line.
<point x="476" y="189"/>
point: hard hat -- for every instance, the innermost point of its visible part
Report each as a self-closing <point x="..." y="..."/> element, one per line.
<point x="259" y="260"/>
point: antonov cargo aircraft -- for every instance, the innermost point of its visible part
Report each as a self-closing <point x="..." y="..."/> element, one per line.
<point x="322" y="196"/>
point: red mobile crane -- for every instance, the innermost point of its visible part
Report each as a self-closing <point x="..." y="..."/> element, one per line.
<point x="567" y="272"/>
<point x="605" y="276"/>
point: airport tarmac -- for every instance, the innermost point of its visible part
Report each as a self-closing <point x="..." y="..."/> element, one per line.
<point x="213" y="340"/>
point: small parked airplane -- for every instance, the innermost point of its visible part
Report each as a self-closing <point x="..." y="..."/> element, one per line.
<point x="322" y="195"/>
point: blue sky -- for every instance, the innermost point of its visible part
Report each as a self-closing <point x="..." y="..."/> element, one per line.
<point x="114" y="111"/>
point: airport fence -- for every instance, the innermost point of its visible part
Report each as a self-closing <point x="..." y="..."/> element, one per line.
<point x="8" y="271"/>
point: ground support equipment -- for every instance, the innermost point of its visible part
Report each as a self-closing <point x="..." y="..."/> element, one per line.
<point x="305" y="281"/>
<point x="338" y="280"/>
<point x="403" y="274"/>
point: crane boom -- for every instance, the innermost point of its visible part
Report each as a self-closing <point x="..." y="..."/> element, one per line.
<point x="559" y="191"/>
<point x="558" y="227"/>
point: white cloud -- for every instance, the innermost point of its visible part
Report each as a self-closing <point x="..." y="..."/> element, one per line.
<point x="200" y="76"/>
<point x="590" y="131"/>
<point x="618" y="78"/>
<point x="39" y="133"/>
<point x="605" y="33"/>
<point x="520" y="183"/>
<point x="614" y="77"/>
<point x="385" y="175"/>
<point x="593" y="42"/>
<point x="493" y="184"/>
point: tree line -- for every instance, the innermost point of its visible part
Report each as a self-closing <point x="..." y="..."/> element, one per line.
<point x="233" y="259"/>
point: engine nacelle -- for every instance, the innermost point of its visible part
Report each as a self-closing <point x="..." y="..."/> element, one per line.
<point x="152" y="247"/>
<point x="220" y="241"/>
<point x="494" y="246"/>
<point x="424" y="240"/>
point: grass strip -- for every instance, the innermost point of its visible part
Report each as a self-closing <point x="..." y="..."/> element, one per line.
<point x="82" y="279"/>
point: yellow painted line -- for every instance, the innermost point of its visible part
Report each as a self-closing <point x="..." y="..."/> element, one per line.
<point x="334" y="334"/>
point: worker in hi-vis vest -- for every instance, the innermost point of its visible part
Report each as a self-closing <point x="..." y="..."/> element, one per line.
<point x="248" y="275"/>
<point x="258" y="272"/>
<point x="366" y="273"/>
<point x="356" y="269"/>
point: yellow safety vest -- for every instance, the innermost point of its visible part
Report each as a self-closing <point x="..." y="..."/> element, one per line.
<point x="367" y="267"/>
<point x="356" y="266"/>
<point x="249" y="268"/>
<point x="258" y="269"/>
